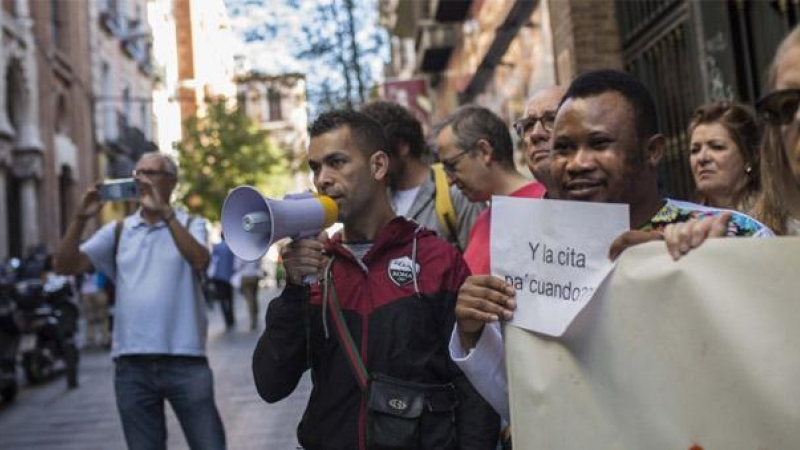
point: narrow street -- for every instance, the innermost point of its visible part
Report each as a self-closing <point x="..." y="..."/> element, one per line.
<point x="50" y="417"/>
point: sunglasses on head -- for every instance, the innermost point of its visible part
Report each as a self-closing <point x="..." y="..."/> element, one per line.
<point x="779" y="107"/>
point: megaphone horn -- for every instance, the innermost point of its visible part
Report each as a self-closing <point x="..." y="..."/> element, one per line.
<point x="251" y="223"/>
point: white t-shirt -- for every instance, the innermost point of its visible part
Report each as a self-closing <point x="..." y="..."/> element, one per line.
<point x="402" y="200"/>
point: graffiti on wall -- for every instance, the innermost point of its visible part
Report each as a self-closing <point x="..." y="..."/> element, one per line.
<point x="718" y="88"/>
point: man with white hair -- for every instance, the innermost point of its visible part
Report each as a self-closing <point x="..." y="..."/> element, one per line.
<point x="160" y="323"/>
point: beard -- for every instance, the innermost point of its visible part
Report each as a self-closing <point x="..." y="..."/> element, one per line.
<point x="396" y="174"/>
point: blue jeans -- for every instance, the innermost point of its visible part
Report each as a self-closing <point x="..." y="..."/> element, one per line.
<point x="143" y="382"/>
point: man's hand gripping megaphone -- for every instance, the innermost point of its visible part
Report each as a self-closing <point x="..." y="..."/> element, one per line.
<point x="304" y="259"/>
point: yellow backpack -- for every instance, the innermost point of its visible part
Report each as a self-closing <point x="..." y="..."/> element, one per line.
<point x="445" y="211"/>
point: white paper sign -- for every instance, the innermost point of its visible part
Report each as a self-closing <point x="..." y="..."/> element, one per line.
<point x="555" y="254"/>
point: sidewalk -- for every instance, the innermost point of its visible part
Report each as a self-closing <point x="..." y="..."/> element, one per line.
<point x="49" y="417"/>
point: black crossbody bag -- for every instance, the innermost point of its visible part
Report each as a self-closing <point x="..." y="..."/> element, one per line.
<point x="401" y="415"/>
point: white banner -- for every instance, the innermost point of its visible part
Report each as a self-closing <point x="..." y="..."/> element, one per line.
<point x="699" y="353"/>
<point x="555" y="254"/>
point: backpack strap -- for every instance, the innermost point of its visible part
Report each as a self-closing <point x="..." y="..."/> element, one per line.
<point x="445" y="211"/>
<point x="117" y="236"/>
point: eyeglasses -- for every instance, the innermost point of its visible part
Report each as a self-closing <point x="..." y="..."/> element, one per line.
<point x="151" y="173"/>
<point x="451" y="164"/>
<point x="524" y="125"/>
<point x="779" y="107"/>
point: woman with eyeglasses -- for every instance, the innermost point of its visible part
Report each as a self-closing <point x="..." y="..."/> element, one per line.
<point x="779" y="204"/>
<point x="724" y="155"/>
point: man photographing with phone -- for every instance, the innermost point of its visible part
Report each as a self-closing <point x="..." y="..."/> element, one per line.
<point x="119" y="189"/>
<point x="160" y="318"/>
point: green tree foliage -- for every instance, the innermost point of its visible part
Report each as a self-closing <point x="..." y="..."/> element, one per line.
<point x="223" y="149"/>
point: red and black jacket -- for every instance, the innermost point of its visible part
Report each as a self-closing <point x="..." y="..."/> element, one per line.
<point x="401" y="326"/>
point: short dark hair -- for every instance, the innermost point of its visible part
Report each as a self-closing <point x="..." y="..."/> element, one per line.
<point x="366" y="132"/>
<point x="399" y="125"/>
<point x="473" y="123"/>
<point x="599" y="82"/>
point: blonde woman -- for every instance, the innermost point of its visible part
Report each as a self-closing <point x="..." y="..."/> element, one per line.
<point x="724" y="152"/>
<point x="779" y="205"/>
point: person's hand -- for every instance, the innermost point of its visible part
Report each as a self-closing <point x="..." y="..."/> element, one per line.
<point x="151" y="198"/>
<point x="304" y="257"/>
<point x="90" y="203"/>
<point x="631" y="238"/>
<point x="482" y="299"/>
<point x="681" y="238"/>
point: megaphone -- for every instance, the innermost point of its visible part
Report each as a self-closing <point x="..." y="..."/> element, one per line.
<point x="251" y="223"/>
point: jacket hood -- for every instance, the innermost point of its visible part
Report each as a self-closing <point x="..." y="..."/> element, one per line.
<point x="399" y="232"/>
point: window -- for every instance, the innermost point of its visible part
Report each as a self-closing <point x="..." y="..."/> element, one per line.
<point x="145" y="119"/>
<point x="109" y="117"/>
<point x="275" y="112"/>
<point x="57" y="25"/>
<point x="126" y="103"/>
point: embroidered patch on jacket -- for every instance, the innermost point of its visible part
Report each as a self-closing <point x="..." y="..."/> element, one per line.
<point x="401" y="270"/>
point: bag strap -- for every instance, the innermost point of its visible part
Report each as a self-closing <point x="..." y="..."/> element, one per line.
<point x="117" y="236"/>
<point x="445" y="211"/>
<point x="345" y="338"/>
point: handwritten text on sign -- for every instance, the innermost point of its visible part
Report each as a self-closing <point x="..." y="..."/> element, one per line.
<point x="555" y="254"/>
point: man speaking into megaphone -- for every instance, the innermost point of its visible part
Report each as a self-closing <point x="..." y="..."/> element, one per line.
<point x="376" y="322"/>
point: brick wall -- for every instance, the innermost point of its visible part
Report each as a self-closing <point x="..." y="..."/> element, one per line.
<point x="585" y="37"/>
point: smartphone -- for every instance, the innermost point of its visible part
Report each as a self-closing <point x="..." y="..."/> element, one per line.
<point x="119" y="190"/>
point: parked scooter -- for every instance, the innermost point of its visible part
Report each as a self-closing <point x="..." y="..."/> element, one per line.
<point x="49" y="320"/>
<point x="9" y="333"/>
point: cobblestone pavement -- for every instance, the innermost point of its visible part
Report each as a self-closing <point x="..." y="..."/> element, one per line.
<point x="50" y="417"/>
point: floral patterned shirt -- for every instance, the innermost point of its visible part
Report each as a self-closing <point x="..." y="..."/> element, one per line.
<point x="675" y="211"/>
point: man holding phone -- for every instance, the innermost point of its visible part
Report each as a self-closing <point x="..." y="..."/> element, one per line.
<point x="120" y="189"/>
<point x="160" y="318"/>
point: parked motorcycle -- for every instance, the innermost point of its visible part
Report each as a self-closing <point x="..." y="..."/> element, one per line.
<point x="9" y="334"/>
<point x="49" y="320"/>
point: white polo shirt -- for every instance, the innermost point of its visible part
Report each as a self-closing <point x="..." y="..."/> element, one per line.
<point x="159" y="304"/>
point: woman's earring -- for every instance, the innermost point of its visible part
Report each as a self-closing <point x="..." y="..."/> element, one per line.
<point x="748" y="169"/>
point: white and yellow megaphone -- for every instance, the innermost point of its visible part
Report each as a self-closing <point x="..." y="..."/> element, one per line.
<point x="251" y="223"/>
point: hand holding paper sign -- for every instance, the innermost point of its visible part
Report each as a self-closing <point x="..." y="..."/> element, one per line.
<point x="554" y="265"/>
<point x="482" y="299"/>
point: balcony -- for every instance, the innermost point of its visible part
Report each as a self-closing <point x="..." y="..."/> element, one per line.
<point x="450" y="11"/>
<point x="435" y="42"/>
<point x="129" y="145"/>
<point x="111" y="22"/>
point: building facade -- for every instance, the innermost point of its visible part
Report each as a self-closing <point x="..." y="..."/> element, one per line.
<point x="205" y="44"/>
<point x="46" y="149"/>
<point x="122" y="79"/>
<point x="687" y="52"/>
<point x="495" y="54"/>
<point x="277" y="104"/>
